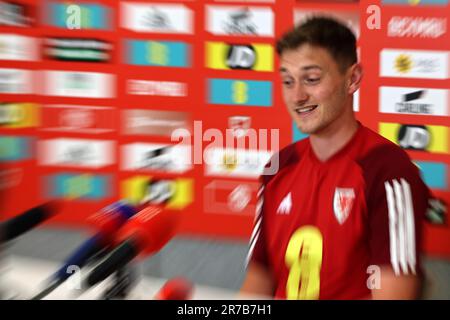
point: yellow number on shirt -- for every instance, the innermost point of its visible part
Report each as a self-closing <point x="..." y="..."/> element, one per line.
<point x="304" y="259"/>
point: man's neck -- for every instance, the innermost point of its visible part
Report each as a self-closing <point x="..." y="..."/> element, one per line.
<point x="333" y="138"/>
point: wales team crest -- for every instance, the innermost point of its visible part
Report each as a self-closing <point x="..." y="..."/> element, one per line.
<point x="343" y="203"/>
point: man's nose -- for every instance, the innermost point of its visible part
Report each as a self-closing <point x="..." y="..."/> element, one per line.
<point x="300" y="95"/>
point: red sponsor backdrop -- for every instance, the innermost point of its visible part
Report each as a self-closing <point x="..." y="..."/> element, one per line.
<point x="232" y="197"/>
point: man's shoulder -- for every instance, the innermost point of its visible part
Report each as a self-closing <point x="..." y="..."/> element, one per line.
<point x="383" y="159"/>
<point x="293" y="152"/>
<point x="379" y="151"/>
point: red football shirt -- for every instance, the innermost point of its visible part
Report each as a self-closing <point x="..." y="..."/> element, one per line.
<point x="323" y="228"/>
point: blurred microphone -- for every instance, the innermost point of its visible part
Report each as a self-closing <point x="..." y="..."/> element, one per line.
<point x="110" y="220"/>
<point x="26" y="221"/>
<point x="147" y="232"/>
<point x="176" y="289"/>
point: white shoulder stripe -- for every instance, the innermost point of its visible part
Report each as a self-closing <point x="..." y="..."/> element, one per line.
<point x="410" y="228"/>
<point x="392" y="226"/>
<point x="250" y="250"/>
<point x="260" y="191"/>
<point x="255" y="231"/>
<point x="257" y="225"/>
<point x="401" y="226"/>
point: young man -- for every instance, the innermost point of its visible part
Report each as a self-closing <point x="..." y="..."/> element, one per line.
<point x="341" y="219"/>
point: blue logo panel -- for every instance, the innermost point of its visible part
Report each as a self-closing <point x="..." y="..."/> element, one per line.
<point x="240" y="92"/>
<point x="158" y="53"/>
<point x="417" y="2"/>
<point x="79" y="186"/>
<point x="434" y="174"/>
<point x="15" y="148"/>
<point x="90" y="16"/>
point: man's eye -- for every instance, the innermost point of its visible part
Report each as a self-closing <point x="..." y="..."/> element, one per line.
<point x="287" y="83"/>
<point x="312" y="80"/>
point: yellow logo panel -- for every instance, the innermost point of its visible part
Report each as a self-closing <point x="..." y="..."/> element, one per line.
<point x="223" y="56"/>
<point x="171" y="193"/>
<point x="417" y="137"/>
<point x="18" y="115"/>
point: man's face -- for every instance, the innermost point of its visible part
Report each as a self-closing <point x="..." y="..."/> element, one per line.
<point x="314" y="90"/>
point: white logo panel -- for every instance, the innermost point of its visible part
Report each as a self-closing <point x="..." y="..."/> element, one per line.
<point x="416" y="27"/>
<point x="19" y="48"/>
<point x="235" y="162"/>
<point x="414" y="64"/>
<point x="156" y="157"/>
<point x="16" y="81"/>
<point x="402" y="100"/>
<point x="76" y="152"/>
<point x="230" y="20"/>
<point x="79" y="84"/>
<point x="161" y="18"/>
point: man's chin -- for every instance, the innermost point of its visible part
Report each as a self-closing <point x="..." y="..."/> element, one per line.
<point x="307" y="126"/>
<point x="305" y="129"/>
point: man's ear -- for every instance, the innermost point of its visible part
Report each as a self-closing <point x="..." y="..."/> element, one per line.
<point x="355" y="77"/>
